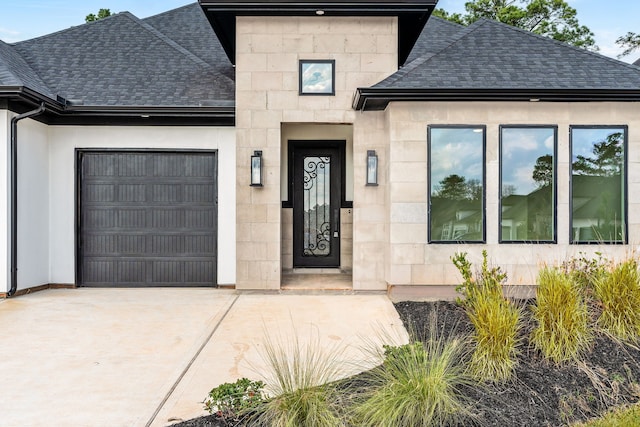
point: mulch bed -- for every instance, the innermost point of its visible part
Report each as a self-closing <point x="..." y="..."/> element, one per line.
<point x="541" y="394"/>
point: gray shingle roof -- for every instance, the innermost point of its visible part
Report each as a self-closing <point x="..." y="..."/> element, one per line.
<point x="123" y="61"/>
<point x="188" y="26"/>
<point x="14" y="71"/>
<point x="437" y="34"/>
<point x="174" y="59"/>
<point x="492" y="55"/>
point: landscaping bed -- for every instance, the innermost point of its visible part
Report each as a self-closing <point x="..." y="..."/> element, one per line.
<point x="540" y="393"/>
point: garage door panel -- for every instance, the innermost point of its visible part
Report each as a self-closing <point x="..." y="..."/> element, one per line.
<point x="200" y="167"/>
<point x="196" y="245"/>
<point x="176" y="272"/>
<point x="197" y="218"/>
<point x="131" y="218"/>
<point x="131" y="193"/>
<point x="148" y="219"/>
<point x="131" y="272"/>
<point x="99" y="165"/>
<point x="167" y="193"/>
<point x="115" y="245"/>
<point x="98" y="218"/>
<point x="132" y="165"/>
<point x="199" y="193"/>
<point x="101" y="193"/>
<point x="100" y="271"/>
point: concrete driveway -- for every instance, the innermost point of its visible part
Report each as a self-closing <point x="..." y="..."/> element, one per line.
<point x="148" y="357"/>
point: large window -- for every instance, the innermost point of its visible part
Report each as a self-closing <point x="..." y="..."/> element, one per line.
<point x="456" y="183"/>
<point x="598" y="205"/>
<point x="527" y="183"/>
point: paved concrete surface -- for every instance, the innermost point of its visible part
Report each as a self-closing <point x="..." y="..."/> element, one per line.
<point x="148" y="357"/>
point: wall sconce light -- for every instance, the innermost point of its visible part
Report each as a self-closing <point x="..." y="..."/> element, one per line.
<point x="256" y="169"/>
<point x="372" y="167"/>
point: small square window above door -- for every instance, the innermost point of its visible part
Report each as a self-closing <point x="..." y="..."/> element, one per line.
<point x="317" y="77"/>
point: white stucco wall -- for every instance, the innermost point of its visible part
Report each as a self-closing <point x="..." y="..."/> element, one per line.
<point x="65" y="139"/>
<point x="33" y="204"/>
<point x="4" y="207"/>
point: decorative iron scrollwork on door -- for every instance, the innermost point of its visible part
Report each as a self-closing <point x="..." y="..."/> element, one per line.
<point x="317" y="206"/>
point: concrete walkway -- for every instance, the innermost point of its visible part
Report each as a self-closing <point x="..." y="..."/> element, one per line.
<point x="148" y="357"/>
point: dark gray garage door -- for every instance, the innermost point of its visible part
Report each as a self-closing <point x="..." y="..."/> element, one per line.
<point x="147" y="218"/>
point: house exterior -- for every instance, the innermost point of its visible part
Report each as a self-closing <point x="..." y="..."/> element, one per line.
<point x="235" y="143"/>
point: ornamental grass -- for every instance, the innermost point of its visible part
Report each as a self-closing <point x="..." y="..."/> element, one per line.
<point x="496" y="320"/>
<point x="301" y="380"/>
<point x="562" y="332"/>
<point x="618" y="293"/>
<point x="418" y="384"/>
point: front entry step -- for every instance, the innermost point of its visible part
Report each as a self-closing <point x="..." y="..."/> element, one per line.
<point x="316" y="281"/>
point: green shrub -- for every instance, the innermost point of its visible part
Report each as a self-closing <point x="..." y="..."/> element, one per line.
<point x="302" y="381"/>
<point x="489" y="280"/>
<point x="496" y="320"/>
<point x="418" y="384"/>
<point x="619" y="295"/>
<point x="562" y="331"/>
<point x="231" y="401"/>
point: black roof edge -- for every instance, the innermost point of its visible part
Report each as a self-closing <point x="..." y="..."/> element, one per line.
<point x="377" y="99"/>
<point x="412" y="16"/>
<point x="59" y="112"/>
<point x="265" y="7"/>
<point x="28" y="96"/>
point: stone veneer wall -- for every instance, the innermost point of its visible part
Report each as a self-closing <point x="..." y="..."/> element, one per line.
<point x="414" y="262"/>
<point x="267" y="55"/>
<point x="371" y="206"/>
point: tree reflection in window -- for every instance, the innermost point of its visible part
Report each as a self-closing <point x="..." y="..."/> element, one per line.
<point x="598" y="213"/>
<point x="456" y="177"/>
<point x="527" y="172"/>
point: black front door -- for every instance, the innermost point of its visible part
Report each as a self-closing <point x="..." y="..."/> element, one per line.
<point x="316" y="207"/>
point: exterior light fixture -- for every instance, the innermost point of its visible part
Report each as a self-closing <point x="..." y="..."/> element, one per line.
<point x="319" y="12"/>
<point x="372" y="168"/>
<point x="256" y="169"/>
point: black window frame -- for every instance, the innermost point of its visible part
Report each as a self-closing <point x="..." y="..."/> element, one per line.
<point x="302" y="62"/>
<point x="430" y="239"/>
<point x="625" y="184"/>
<point x="554" y="188"/>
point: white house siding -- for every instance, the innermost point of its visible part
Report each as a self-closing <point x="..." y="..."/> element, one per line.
<point x="64" y="140"/>
<point x="412" y="261"/>
<point x="4" y="201"/>
<point x="33" y="204"/>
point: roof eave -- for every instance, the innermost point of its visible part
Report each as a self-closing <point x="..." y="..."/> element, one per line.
<point x="149" y="115"/>
<point x="61" y="112"/>
<point x="377" y="99"/>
